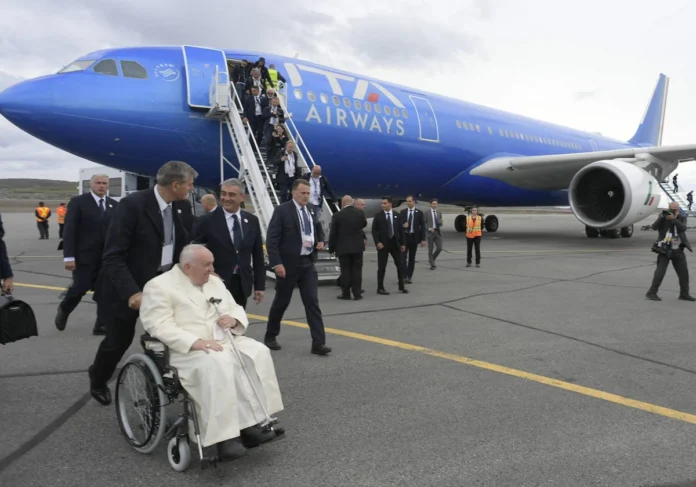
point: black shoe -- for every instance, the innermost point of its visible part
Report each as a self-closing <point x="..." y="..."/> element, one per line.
<point x="320" y="349"/>
<point x="99" y="329"/>
<point x="468" y="265"/>
<point x="408" y="281"/>
<point x="686" y="297"/>
<point x="61" y="320"/>
<point x="653" y="297"/>
<point x="231" y="449"/>
<point x="404" y="290"/>
<point x="358" y="297"/>
<point x="256" y="435"/>
<point x="478" y="265"/>
<point x="272" y="344"/>
<point x="342" y="296"/>
<point x="433" y="267"/>
<point x="102" y="394"/>
<point x="383" y="291"/>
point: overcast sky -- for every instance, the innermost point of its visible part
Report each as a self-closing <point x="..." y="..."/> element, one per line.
<point x="591" y="65"/>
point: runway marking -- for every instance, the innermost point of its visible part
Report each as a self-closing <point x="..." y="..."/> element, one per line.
<point x="549" y="251"/>
<point x="36" y="256"/>
<point x="586" y="391"/>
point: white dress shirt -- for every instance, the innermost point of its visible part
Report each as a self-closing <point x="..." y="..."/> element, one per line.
<point x="305" y="250"/>
<point x="162" y="205"/>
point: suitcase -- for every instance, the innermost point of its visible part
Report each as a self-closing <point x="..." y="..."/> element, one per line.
<point x="17" y="320"/>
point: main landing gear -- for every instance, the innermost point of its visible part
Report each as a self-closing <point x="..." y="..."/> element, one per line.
<point x="625" y="232"/>
<point x="490" y="223"/>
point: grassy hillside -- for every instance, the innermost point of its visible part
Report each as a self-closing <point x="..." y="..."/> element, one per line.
<point x="37" y="189"/>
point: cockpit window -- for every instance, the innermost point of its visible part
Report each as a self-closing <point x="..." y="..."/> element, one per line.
<point x="107" y="66"/>
<point x="131" y="69"/>
<point x="77" y="66"/>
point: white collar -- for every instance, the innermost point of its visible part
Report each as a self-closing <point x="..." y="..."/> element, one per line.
<point x="97" y="198"/>
<point x="229" y="215"/>
<point x="160" y="201"/>
<point x="297" y="205"/>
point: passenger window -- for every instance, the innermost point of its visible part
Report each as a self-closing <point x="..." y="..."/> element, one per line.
<point x="336" y="100"/>
<point x="378" y="108"/>
<point x="346" y="102"/>
<point x="387" y="110"/>
<point x="396" y="112"/>
<point x="310" y="96"/>
<point x="459" y="124"/>
<point x="107" y="66"/>
<point x="404" y="113"/>
<point x="357" y="104"/>
<point x="324" y="98"/>
<point x="368" y="106"/>
<point x="298" y="93"/>
<point x="131" y="69"/>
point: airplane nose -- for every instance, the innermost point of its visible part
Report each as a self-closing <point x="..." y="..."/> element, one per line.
<point x="28" y="103"/>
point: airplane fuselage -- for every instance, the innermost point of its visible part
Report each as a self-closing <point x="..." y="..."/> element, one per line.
<point x="371" y="138"/>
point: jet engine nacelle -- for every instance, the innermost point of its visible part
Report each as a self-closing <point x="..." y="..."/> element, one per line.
<point x="613" y="194"/>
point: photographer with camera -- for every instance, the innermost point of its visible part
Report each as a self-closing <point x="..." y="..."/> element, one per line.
<point x="671" y="228"/>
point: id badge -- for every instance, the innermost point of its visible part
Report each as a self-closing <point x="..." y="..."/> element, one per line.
<point x="307" y="241"/>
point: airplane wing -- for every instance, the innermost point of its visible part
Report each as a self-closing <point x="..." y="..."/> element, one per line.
<point x="554" y="172"/>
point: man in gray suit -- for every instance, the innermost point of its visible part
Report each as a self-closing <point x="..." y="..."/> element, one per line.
<point x="433" y="224"/>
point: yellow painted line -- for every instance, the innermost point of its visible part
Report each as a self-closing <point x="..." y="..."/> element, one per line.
<point x="586" y="391"/>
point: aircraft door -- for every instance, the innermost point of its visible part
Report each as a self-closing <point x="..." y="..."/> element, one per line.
<point x="429" y="130"/>
<point x="200" y="64"/>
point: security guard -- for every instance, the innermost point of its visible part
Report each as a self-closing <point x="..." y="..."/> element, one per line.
<point x="473" y="236"/>
<point x="43" y="213"/>
<point x="61" y="211"/>
<point x="275" y="76"/>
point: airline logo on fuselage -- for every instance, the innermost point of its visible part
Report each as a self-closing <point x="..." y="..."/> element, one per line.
<point x="344" y="116"/>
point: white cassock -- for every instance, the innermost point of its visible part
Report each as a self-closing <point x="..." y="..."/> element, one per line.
<point x="177" y="312"/>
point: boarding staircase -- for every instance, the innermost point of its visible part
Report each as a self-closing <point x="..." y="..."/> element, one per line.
<point x="254" y="169"/>
<point x="678" y="198"/>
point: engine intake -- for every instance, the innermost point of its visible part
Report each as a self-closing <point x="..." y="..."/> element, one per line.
<point x="613" y="194"/>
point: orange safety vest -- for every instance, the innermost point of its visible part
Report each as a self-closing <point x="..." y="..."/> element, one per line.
<point x="61" y="210"/>
<point x="473" y="228"/>
<point x="43" y="213"/>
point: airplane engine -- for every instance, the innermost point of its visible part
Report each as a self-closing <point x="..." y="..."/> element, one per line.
<point x="612" y="195"/>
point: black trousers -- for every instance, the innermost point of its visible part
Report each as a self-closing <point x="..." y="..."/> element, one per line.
<point x="60" y="230"/>
<point x="119" y="321"/>
<point x="84" y="279"/>
<point x="234" y="286"/>
<point x="678" y="259"/>
<point x="473" y="242"/>
<point x="390" y="248"/>
<point x="256" y="130"/>
<point x="351" y="273"/>
<point x="43" y="229"/>
<point x="410" y="255"/>
<point x="305" y="277"/>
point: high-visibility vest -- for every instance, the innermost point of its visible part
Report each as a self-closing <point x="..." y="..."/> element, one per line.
<point x="274" y="77"/>
<point x="473" y="227"/>
<point x="43" y="213"/>
<point x="61" y="210"/>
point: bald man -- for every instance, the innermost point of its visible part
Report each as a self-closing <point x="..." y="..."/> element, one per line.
<point x="346" y="241"/>
<point x="209" y="203"/>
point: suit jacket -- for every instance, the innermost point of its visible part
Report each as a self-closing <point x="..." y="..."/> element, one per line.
<point x="324" y="186"/>
<point x="662" y="225"/>
<point x="5" y="268"/>
<point x="346" y="234"/>
<point x="85" y="229"/>
<point x="380" y="230"/>
<point x="418" y="224"/>
<point x="429" y="223"/>
<point x="284" y="237"/>
<point x="250" y="108"/>
<point x="212" y="231"/>
<point x="133" y="249"/>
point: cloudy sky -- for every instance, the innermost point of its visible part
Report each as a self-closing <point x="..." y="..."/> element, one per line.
<point x="591" y="65"/>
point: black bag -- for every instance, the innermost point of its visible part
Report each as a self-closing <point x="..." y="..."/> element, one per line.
<point x="17" y="320"/>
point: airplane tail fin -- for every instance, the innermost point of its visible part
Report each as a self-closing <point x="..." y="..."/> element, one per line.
<point x="649" y="131"/>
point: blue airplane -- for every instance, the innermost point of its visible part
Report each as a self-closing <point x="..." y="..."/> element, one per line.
<point x="135" y="108"/>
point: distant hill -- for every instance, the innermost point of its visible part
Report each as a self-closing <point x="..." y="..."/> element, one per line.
<point x="22" y="188"/>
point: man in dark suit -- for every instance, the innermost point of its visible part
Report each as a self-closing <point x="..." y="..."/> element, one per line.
<point x="388" y="234"/>
<point x="672" y="224"/>
<point x="346" y="241"/>
<point x="86" y="223"/>
<point x="253" y="113"/>
<point x="413" y="222"/>
<point x="292" y="242"/>
<point x="235" y="239"/>
<point x="144" y="239"/>
<point x="5" y="268"/>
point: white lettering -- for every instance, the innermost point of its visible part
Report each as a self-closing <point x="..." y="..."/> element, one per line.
<point x="341" y="114"/>
<point x="388" y="121"/>
<point x="360" y="120"/>
<point x="361" y="117"/>
<point x="375" y="125"/>
<point x="400" y="127"/>
<point x="294" y="75"/>
<point x="328" y="115"/>
<point x="332" y="77"/>
<point x="313" y="113"/>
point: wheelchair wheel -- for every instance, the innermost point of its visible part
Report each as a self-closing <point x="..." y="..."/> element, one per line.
<point x="179" y="453"/>
<point x="140" y="403"/>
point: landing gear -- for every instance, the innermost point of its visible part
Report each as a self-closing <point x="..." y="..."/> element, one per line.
<point x="460" y="223"/>
<point x="625" y="232"/>
<point x="490" y="223"/>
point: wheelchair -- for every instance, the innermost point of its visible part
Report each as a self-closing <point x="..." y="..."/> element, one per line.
<point x="148" y="384"/>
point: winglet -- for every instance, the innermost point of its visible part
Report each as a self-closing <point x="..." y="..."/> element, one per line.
<point x="649" y="131"/>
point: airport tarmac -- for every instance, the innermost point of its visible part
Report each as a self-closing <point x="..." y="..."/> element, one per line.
<point x="546" y="366"/>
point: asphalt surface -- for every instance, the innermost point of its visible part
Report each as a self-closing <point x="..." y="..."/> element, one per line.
<point x="546" y="366"/>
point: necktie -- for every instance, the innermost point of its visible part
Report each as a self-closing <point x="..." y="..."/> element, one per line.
<point x="390" y="225"/>
<point x="237" y="232"/>
<point x="305" y="222"/>
<point x="435" y="219"/>
<point x="410" y="221"/>
<point x="168" y="225"/>
<point x="101" y="207"/>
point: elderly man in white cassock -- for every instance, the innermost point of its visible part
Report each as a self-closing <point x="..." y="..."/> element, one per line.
<point x="176" y="310"/>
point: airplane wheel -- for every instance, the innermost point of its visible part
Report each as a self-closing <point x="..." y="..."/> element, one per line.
<point x="491" y="223"/>
<point x="614" y="233"/>
<point x="591" y="232"/>
<point x="460" y="223"/>
<point x="627" y="232"/>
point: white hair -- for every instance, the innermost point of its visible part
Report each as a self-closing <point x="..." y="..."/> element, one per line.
<point x="95" y="176"/>
<point x="190" y="253"/>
